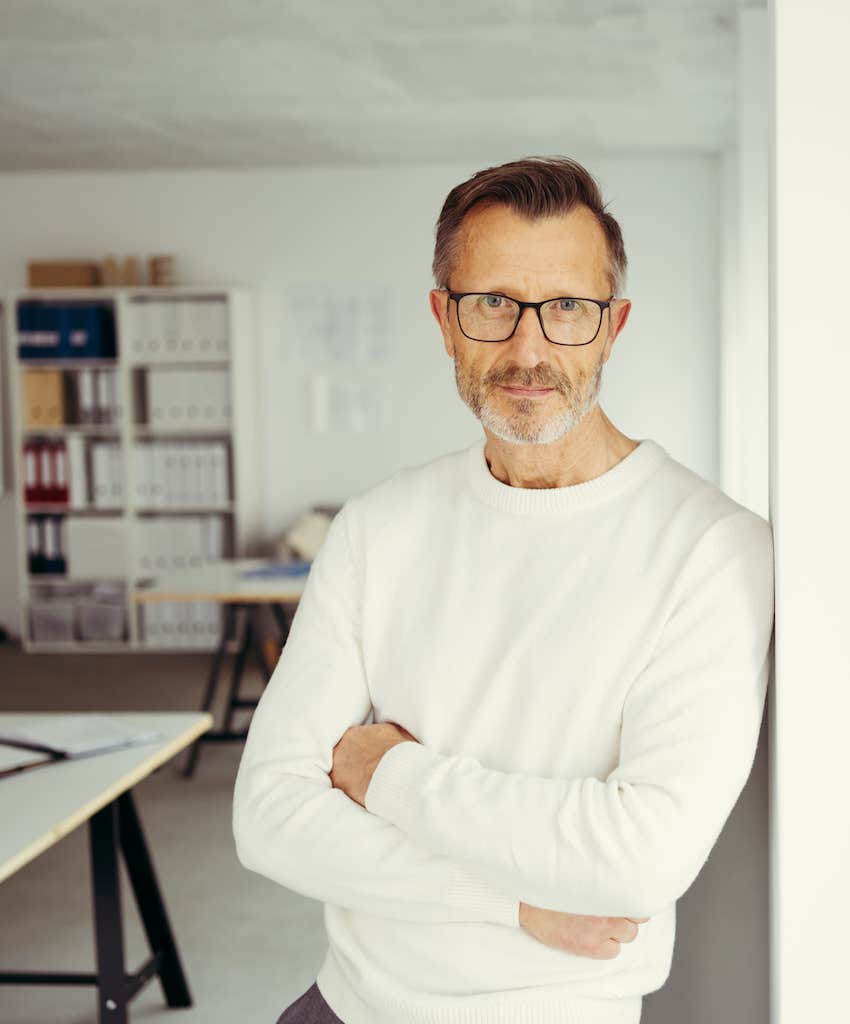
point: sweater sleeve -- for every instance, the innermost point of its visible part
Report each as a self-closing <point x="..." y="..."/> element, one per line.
<point x="289" y="823"/>
<point x="632" y="843"/>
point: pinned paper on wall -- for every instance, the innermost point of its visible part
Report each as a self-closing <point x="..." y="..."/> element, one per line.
<point x="330" y="324"/>
<point x="343" y="405"/>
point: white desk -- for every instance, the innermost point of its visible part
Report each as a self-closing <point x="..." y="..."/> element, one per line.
<point x="223" y="582"/>
<point x="40" y="805"/>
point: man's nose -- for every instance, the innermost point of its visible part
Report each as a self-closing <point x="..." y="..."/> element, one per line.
<point x="529" y="332"/>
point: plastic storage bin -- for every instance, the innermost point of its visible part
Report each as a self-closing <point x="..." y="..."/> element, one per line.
<point x="52" y="621"/>
<point x="101" y="620"/>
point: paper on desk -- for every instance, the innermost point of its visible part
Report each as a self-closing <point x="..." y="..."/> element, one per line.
<point x="77" y="735"/>
<point x="13" y="758"/>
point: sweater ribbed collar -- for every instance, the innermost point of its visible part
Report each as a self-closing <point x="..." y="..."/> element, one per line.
<point x="532" y="500"/>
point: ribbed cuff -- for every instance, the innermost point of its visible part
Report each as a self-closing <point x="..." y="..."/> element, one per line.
<point x="393" y="794"/>
<point x="477" y="900"/>
<point x="396" y="783"/>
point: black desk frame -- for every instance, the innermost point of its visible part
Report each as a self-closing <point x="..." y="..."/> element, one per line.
<point x="115" y="828"/>
<point x="250" y="643"/>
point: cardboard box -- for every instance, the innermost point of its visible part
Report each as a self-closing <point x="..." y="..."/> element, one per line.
<point x="63" y="274"/>
<point x="44" y="404"/>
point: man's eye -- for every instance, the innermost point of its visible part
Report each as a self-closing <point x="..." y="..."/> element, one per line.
<point x="567" y="305"/>
<point x="492" y="301"/>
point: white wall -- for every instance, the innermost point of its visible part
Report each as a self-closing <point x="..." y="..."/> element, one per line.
<point x="277" y="229"/>
<point x="809" y="499"/>
<point x="744" y="337"/>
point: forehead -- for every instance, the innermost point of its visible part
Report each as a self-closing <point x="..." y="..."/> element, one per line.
<point x="499" y="247"/>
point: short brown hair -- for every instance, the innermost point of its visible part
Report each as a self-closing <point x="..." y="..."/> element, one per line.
<point x="535" y="186"/>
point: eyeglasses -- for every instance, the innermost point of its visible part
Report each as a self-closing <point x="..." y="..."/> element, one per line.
<point x="489" y="316"/>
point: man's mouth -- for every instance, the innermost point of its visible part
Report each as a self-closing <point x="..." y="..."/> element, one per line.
<point x="515" y="390"/>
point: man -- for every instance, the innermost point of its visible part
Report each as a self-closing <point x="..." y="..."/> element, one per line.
<point x="563" y="636"/>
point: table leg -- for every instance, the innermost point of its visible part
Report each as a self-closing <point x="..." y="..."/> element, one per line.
<point x="238" y="668"/>
<point x="150" y="903"/>
<point x="283" y="620"/>
<point x="212" y="680"/>
<point x="109" y="932"/>
<point x="259" y="651"/>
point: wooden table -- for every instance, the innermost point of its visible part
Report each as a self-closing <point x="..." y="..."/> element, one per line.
<point x="39" y="806"/>
<point x="222" y="582"/>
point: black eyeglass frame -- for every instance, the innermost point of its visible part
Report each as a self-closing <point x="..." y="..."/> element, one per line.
<point x="457" y="296"/>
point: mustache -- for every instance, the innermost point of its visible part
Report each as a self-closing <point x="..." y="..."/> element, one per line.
<point x="524" y="382"/>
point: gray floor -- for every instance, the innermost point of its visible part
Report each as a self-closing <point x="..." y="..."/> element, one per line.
<point x="249" y="946"/>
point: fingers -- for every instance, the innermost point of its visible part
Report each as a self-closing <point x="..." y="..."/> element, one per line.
<point x="607" y="950"/>
<point x="623" y="929"/>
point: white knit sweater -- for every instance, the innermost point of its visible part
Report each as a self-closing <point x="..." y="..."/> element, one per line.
<point x="585" y="668"/>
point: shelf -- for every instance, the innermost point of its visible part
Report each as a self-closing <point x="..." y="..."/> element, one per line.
<point x="38" y="578"/>
<point x="150" y="434"/>
<point x="71" y="363"/>
<point x="145" y="364"/>
<point x="79" y="646"/>
<point x="86" y="429"/>
<point x="193" y="510"/>
<point x="231" y="524"/>
<point x="48" y="509"/>
<point x="82" y="293"/>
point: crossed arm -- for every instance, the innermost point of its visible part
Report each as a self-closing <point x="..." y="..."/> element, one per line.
<point x="429" y="836"/>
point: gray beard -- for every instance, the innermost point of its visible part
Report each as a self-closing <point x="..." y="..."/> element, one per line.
<point x="523" y="427"/>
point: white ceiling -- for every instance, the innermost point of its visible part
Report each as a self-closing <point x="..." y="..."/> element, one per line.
<point x="88" y="84"/>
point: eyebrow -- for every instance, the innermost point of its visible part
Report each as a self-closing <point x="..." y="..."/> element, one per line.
<point x="507" y="294"/>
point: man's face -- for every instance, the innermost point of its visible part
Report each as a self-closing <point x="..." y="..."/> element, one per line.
<point x="530" y="260"/>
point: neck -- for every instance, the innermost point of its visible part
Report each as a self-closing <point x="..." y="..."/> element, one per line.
<point x="594" y="447"/>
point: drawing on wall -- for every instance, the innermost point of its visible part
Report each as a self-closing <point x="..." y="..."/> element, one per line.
<point x="344" y="404"/>
<point x="330" y="324"/>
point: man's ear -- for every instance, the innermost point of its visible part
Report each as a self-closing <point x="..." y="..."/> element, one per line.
<point x="439" y="307"/>
<point x="620" y="314"/>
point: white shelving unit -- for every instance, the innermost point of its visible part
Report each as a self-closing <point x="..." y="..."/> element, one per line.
<point x="157" y="329"/>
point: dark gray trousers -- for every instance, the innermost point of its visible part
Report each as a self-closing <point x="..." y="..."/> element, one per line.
<point x="309" y="1008"/>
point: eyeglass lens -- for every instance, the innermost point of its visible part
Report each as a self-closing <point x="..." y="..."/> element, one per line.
<point x="486" y="317"/>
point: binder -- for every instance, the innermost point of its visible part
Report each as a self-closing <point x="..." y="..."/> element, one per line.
<point x="96" y="547"/>
<point x="107" y="475"/>
<point x="59" y="466"/>
<point x="139" y="330"/>
<point x="168" y="327"/>
<point x="77" y="477"/>
<point x="150" y="623"/>
<point x="43" y="399"/>
<point x="54" y="559"/>
<point x="217" y="328"/>
<point x="81" y="338"/>
<point x="113" y="400"/>
<point x="102" y="405"/>
<point x="142" y="475"/>
<point x="40" y="329"/>
<point x="32" y="478"/>
<point x="86" y="408"/>
<point x="116" y="477"/>
<point x="88" y="331"/>
<point x="46" y="484"/>
<point x="35" y="546"/>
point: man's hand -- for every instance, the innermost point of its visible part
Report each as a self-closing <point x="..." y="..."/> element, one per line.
<point x="584" y="935"/>
<point x="356" y="756"/>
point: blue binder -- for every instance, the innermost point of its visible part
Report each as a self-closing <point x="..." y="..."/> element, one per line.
<point x="40" y="330"/>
